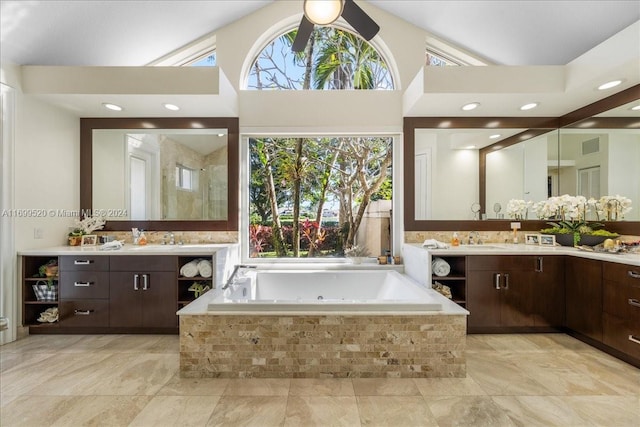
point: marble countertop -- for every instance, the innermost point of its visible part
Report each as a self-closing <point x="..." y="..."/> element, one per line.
<point x="522" y="249"/>
<point x="188" y="249"/>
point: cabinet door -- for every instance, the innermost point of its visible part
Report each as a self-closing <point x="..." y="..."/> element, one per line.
<point x="516" y="304"/>
<point x="583" y="293"/>
<point x="125" y="299"/>
<point x="159" y="300"/>
<point x="483" y="299"/>
<point x="548" y="291"/>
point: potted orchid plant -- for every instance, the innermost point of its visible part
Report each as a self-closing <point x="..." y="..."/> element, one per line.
<point x="83" y="227"/>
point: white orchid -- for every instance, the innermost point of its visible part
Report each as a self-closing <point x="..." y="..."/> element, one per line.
<point x="518" y="209"/>
<point x="90" y="224"/>
<point x="612" y="208"/>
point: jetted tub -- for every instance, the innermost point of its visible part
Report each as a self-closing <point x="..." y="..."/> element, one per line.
<point x="320" y="291"/>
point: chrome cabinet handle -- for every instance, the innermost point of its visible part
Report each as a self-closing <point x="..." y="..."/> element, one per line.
<point x="634" y="302"/>
<point x="633" y="274"/>
<point x="145" y="282"/>
<point x="634" y="339"/>
<point x="82" y="284"/>
<point x="82" y="261"/>
<point x="539" y="264"/>
<point x="82" y="312"/>
<point x="497" y="281"/>
<point x="506" y="281"/>
<point x="136" y="282"/>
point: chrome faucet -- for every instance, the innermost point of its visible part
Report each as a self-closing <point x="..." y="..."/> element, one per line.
<point x="172" y="239"/>
<point x="231" y="278"/>
<point x="477" y="240"/>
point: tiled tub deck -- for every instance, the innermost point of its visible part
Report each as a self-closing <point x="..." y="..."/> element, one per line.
<point x="322" y="346"/>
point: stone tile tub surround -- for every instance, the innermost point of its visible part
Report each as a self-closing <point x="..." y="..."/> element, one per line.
<point x="369" y="345"/>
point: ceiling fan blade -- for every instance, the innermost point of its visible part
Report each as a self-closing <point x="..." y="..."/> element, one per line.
<point x="359" y="20"/>
<point x="302" y="38"/>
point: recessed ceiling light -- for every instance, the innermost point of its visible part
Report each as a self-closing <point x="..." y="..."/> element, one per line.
<point x="471" y="106"/>
<point x="495" y="136"/>
<point x="171" y="107"/>
<point x="220" y="135"/>
<point x="113" y="107"/>
<point x="609" y="85"/>
<point x="636" y="108"/>
<point x="470" y="147"/>
<point x="529" y="106"/>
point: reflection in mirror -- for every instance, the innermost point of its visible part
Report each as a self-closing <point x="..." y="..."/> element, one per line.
<point x="601" y="162"/>
<point x="525" y="171"/>
<point x="160" y="174"/>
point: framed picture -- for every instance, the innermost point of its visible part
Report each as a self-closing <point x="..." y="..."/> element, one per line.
<point x="532" y="239"/>
<point x="89" y="240"/>
<point x="547" y="240"/>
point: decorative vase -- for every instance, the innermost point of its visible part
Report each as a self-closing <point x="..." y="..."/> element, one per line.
<point x="591" y="240"/>
<point x="564" y="239"/>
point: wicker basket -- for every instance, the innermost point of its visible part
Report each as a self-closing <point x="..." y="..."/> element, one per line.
<point x="44" y="292"/>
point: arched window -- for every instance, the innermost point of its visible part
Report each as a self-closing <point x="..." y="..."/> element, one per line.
<point x="334" y="59"/>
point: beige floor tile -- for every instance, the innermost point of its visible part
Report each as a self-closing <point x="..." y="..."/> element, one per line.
<point x="9" y="361"/>
<point x="102" y="411"/>
<point x="180" y="411"/>
<point x="321" y="387"/>
<point x="258" y="411"/>
<point x="496" y="375"/>
<point x="607" y="411"/>
<point x="44" y="344"/>
<point x="385" y="411"/>
<point x="322" y="411"/>
<point x="539" y="411"/>
<point x="476" y="411"/>
<point x="385" y="387"/>
<point x="615" y="374"/>
<point x="478" y="342"/>
<point x="142" y="344"/>
<point x="30" y="411"/>
<point x="257" y="387"/>
<point x="449" y="387"/>
<point x="194" y="387"/>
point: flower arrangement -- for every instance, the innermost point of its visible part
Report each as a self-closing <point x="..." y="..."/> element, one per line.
<point x="83" y="227"/>
<point x="612" y="208"/>
<point x="518" y="209"/>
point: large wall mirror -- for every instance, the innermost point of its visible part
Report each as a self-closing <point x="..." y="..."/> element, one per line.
<point x="454" y="178"/>
<point x="161" y="173"/>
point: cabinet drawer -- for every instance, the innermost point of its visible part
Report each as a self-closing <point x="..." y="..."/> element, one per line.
<point x="84" y="313"/>
<point x="617" y="332"/>
<point x="143" y="263"/>
<point x="84" y="284"/>
<point x="622" y="300"/>
<point x="621" y="273"/>
<point x="501" y="262"/>
<point x="84" y="263"/>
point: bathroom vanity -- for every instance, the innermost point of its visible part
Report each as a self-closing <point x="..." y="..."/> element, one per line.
<point x="136" y="289"/>
<point x="523" y="288"/>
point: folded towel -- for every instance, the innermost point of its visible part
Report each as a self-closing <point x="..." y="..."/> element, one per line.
<point x="440" y="267"/>
<point x="204" y="268"/>
<point x="434" y="244"/>
<point x="190" y="269"/>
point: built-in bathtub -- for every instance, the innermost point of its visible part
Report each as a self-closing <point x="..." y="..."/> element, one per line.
<point x="323" y="324"/>
<point x="326" y="291"/>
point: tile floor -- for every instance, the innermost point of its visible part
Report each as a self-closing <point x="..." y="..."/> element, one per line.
<point x="128" y="380"/>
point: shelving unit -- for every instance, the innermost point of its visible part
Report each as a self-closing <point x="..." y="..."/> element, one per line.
<point x="184" y="295"/>
<point x="456" y="280"/>
<point x="31" y="307"/>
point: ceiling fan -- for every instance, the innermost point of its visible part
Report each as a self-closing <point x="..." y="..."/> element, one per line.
<point x="324" y="12"/>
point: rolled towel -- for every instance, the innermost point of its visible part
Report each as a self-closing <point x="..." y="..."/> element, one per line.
<point x="440" y="267"/>
<point x="204" y="268"/>
<point x="190" y="269"/>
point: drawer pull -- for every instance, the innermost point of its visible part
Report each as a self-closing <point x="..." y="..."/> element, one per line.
<point x="145" y="282"/>
<point x="82" y="261"/>
<point x="633" y="274"/>
<point x="136" y="282"/>
<point x="82" y="312"/>
<point x="506" y="280"/>
<point x="82" y="284"/>
<point x="634" y="302"/>
<point x="497" y="281"/>
<point x="634" y="339"/>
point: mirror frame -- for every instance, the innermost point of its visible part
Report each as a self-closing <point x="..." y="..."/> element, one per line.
<point x="535" y="125"/>
<point x="88" y="125"/>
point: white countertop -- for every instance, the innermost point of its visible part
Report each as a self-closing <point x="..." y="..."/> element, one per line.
<point x="188" y="249"/>
<point x="522" y="249"/>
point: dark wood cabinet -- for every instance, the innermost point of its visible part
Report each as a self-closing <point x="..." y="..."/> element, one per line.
<point x="143" y="292"/>
<point x="456" y="279"/>
<point x="621" y="302"/>
<point x="583" y="296"/>
<point x="185" y="295"/>
<point x="46" y="297"/>
<point x="514" y="292"/>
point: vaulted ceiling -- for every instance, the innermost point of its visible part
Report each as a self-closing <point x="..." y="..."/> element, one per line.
<point x="136" y="32"/>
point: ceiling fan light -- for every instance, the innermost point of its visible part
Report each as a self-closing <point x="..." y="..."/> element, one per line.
<point x="323" y="12"/>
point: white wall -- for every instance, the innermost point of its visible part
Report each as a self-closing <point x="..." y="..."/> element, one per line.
<point x="624" y="155"/>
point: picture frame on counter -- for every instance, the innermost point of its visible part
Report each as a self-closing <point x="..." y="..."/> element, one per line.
<point x="89" y="240"/>
<point x="532" y="239"/>
<point x="547" y="240"/>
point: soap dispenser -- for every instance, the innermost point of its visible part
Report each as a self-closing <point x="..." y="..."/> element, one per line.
<point x="455" y="240"/>
<point x="142" y="240"/>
